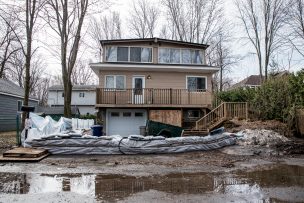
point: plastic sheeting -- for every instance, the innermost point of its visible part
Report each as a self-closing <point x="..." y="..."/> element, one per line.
<point x="47" y="127"/>
<point x="132" y="144"/>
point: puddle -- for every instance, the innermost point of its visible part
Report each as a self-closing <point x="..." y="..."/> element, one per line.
<point x="259" y="185"/>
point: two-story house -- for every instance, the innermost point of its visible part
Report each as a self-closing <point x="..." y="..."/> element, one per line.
<point x="83" y="97"/>
<point x="152" y="78"/>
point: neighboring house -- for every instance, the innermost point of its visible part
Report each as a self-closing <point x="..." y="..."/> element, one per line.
<point x="57" y="112"/>
<point x="152" y="78"/>
<point x="252" y="81"/>
<point x="11" y="100"/>
<point x="83" y="97"/>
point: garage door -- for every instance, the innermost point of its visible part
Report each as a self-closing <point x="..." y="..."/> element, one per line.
<point x="125" y="122"/>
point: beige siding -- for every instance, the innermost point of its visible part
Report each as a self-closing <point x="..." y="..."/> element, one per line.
<point x="174" y="80"/>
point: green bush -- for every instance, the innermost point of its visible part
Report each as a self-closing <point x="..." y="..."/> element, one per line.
<point x="88" y="116"/>
<point x="237" y="95"/>
<point x="273" y="99"/>
<point x="277" y="98"/>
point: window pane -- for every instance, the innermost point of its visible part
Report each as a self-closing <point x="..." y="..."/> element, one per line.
<point x="196" y="83"/>
<point x="139" y="114"/>
<point x="126" y="114"/>
<point x="196" y="57"/>
<point x="135" y="54"/>
<point x="186" y="56"/>
<point x="110" y="82"/>
<point x="164" y="55"/>
<point x="19" y="104"/>
<point x="115" y="114"/>
<point x="122" y="53"/>
<point x="193" y="113"/>
<point x="146" y="55"/>
<point x="201" y="83"/>
<point x="191" y="83"/>
<point x="111" y="54"/>
<point x="174" y="55"/>
<point x="120" y="82"/>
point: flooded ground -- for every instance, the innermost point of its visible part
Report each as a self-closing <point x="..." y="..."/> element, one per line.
<point x="278" y="183"/>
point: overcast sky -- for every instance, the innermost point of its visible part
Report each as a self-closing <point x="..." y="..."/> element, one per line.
<point x="246" y="67"/>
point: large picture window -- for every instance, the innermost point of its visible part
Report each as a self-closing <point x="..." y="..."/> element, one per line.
<point x="115" y="81"/>
<point x="129" y="54"/>
<point x="196" y="83"/>
<point x="180" y="56"/>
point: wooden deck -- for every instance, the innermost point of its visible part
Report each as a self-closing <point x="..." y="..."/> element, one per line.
<point x="150" y="97"/>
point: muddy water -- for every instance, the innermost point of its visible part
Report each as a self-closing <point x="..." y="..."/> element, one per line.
<point x="281" y="183"/>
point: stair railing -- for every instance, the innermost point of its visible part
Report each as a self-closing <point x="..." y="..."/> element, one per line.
<point x="225" y="111"/>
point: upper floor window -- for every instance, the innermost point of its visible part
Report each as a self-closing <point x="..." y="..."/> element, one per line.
<point x="81" y="94"/>
<point x="129" y="54"/>
<point x="196" y="83"/>
<point x="180" y="56"/>
<point x="115" y="81"/>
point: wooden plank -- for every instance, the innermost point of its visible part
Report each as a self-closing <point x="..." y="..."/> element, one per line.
<point x="25" y="152"/>
<point x="172" y="117"/>
<point x="22" y="159"/>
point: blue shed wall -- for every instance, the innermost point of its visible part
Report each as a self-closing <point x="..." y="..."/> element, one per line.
<point x="8" y="111"/>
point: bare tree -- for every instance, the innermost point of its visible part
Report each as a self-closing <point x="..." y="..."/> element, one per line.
<point x="82" y="74"/>
<point x="220" y="54"/>
<point x="8" y="41"/>
<point x="106" y="27"/>
<point x="17" y="71"/>
<point x="296" y="25"/>
<point x="65" y="18"/>
<point x="143" y="19"/>
<point x="41" y="90"/>
<point x="194" y="20"/>
<point x="262" y="21"/>
<point x="27" y="16"/>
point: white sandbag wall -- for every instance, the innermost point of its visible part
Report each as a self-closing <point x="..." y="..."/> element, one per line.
<point x="82" y="123"/>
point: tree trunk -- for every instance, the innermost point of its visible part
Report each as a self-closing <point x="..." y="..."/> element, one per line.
<point x="221" y="79"/>
<point x="67" y="85"/>
<point x="27" y="81"/>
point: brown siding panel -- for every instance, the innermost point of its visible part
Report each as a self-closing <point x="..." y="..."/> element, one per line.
<point x="172" y="117"/>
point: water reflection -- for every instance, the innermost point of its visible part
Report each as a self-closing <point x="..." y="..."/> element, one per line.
<point x="114" y="187"/>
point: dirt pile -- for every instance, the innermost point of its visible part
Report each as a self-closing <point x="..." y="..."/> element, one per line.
<point x="274" y="125"/>
<point x="291" y="147"/>
<point x="261" y="137"/>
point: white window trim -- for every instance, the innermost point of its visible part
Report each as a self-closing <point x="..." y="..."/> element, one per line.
<point x="129" y="54"/>
<point x="180" y="53"/>
<point x="196" y="76"/>
<point x="105" y="82"/>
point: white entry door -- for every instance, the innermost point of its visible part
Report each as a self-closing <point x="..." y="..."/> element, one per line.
<point x="138" y="85"/>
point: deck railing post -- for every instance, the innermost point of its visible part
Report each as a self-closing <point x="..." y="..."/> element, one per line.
<point x="246" y="111"/>
<point x="225" y="110"/>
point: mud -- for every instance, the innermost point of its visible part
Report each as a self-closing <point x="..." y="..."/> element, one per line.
<point x="279" y="183"/>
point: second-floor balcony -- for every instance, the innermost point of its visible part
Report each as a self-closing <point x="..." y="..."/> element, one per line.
<point x="151" y="97"/>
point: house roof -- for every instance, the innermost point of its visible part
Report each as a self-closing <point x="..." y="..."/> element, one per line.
<point x="75" y="87"/>
<point x="154" y="40"/>
<point x="253" y="80"/>
<point x="8" y="87"/>
<point x="56" y="110"/>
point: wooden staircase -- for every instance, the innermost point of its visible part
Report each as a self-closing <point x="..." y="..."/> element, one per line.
<point x="225" y="111"/>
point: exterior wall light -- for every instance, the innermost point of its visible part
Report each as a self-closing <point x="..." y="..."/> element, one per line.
<point x="149" y="77"/>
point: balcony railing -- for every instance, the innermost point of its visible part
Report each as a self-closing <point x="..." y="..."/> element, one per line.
<point x="153" y="97"/>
